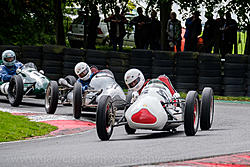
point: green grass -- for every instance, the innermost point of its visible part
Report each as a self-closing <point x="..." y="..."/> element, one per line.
<point x="19" y="127"/>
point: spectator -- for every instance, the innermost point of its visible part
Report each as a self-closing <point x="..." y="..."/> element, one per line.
<point x="230" y="35"/>
<point x="155" y="32"/>
<point x="174" y="33"/>
<point x="141" y="29"/>
<point x="94" y="21"/>
<point x="193" y="30"/>
<point x="117" y="28"/>
<point x="209" y="33"/>
<point x="219" y="28"/>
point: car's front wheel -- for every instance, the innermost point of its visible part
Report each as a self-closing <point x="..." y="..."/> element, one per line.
<point x="77" y="100"/>
<point x="15" y="90"/>
<point x="191" y="113"/>
<point x="51" y="97"/>
<point x="105" y="118"/>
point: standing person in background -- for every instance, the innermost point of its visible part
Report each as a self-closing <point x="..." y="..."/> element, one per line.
<point x="117" y="28"/>
<point x="174" y="33"/>
<point x="230" y="35"/>
<point x="94" y="21"/>
<point x="193" y="30"/>
<point x="219" y="31"/>
<point x="155" y="32"/>
<point x="209" y="33"/>
<point x="141" y="29"/>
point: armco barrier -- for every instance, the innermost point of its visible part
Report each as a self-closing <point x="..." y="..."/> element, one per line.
<point x="187" y="70"/>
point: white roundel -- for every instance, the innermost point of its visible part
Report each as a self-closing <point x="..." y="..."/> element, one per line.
<point x="134" y="79"/>
<point x="82" y="70"/>
<point x="8" y="58"/>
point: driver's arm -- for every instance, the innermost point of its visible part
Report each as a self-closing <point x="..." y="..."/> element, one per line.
<point x="4" y="76"/>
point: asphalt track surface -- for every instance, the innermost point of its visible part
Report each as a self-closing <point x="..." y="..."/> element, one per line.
<point x="229" y="134"/>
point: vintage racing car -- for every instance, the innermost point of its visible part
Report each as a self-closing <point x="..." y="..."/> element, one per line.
<point x="156" y="109"/>
<point x="27" y="83"/>
<point x="102" y="84"/>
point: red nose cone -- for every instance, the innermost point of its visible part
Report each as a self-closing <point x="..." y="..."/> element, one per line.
<point x="143" y="117"/>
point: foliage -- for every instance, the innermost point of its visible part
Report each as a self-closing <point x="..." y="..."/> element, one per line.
<point x="19" y="127"/>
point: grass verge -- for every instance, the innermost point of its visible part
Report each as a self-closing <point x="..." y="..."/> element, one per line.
<point x="14" y="127"/>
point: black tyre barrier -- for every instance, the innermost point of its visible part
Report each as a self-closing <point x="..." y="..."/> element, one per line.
<point x="187" y="86"/>
<point x="144" y="69"/>
<point x="69" y="65"/>
<point x="37" y="62"/>
<point x="186" y="71"/>
<point x="52" y="70"/>
<point x="235" y="94"/>
<point x="187" y="55"/>
<point x="31" y="49"/>
<point x="209" y="66"/>
<point x="119" y="69"/>
<point x="210" y="73"/>
<point x="235" y="58"/>
<point x="118" y="55"/>
<point x="185" y="79"/>
<point x="53" y="49"/>
<point x="68" y="71"/>
<point x="73" y="58"/>
<point x="94" y="60"/>
<point x="233" y="73"/>
<point x="235" y="66"/>
<point x="53" y="76"/>
<point x="163" y="63"/>
<point x="16" y="49"/>
<point x="186" y="63"/>
<point x="75" y="52"/>
<point x="207" y="57"/>
<point x="140" y="61"/>
<point x="96" y="53"/>
<point x="210" y="80"/>
<point x="51" y="56"/>
<point x="141" y="53"/>
<point x="117" y="62"/>
<point x="162" y="70"/>
<point x="234" y="88"/>
<point x="163" y="55"/>
<point x="52" y="63"/>
<point x="233" y="81"/>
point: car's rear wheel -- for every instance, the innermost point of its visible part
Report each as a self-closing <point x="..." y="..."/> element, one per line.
<point x="191" y="113"/>
<point x="105" y="118"/>
<point x="15" y="90"/>
<point x="51" y="97"/>
<point x="77" y="100"/>
<point x="207" y="108"/>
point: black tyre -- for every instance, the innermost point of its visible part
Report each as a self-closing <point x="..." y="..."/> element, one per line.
<point x="129" y="130"/>
<point x="51" y="97"/>
<point x="77" y="100"/>
<point x="15" y="90"/>
<point x="105" y="118"/>
<point x="207" y="108"/>
<point x="192" y="113"/>
<point x="70" y="79"/>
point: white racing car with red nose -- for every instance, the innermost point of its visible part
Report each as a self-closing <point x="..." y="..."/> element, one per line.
<point x="156" y="109"/>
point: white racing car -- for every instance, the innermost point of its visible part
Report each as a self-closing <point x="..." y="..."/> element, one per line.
<point x="102" y="84"/>
<point x="27" y="83"/>
<point x="156" y="109"/>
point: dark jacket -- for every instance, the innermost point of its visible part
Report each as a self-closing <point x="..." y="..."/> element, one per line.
<point x="114" y="27"/>
<point x="193" y="28"/>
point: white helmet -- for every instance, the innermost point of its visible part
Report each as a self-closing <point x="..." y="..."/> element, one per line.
<point x="82" y="70"/>
<point x="134" y="79"/>
<point x="9" y="58"/>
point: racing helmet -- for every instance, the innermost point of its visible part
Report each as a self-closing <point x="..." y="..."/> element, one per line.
<point x="82" y="70"/>
<point x="8" y="58"/>
<point x="134" y="79"/>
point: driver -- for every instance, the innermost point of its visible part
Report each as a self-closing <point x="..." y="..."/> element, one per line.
<point x="135" y="81"/>
<point x="10" y="66"/>
<point x="85" y="74"/>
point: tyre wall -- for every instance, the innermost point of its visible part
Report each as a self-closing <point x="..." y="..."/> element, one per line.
<point x="187" y="70"/>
